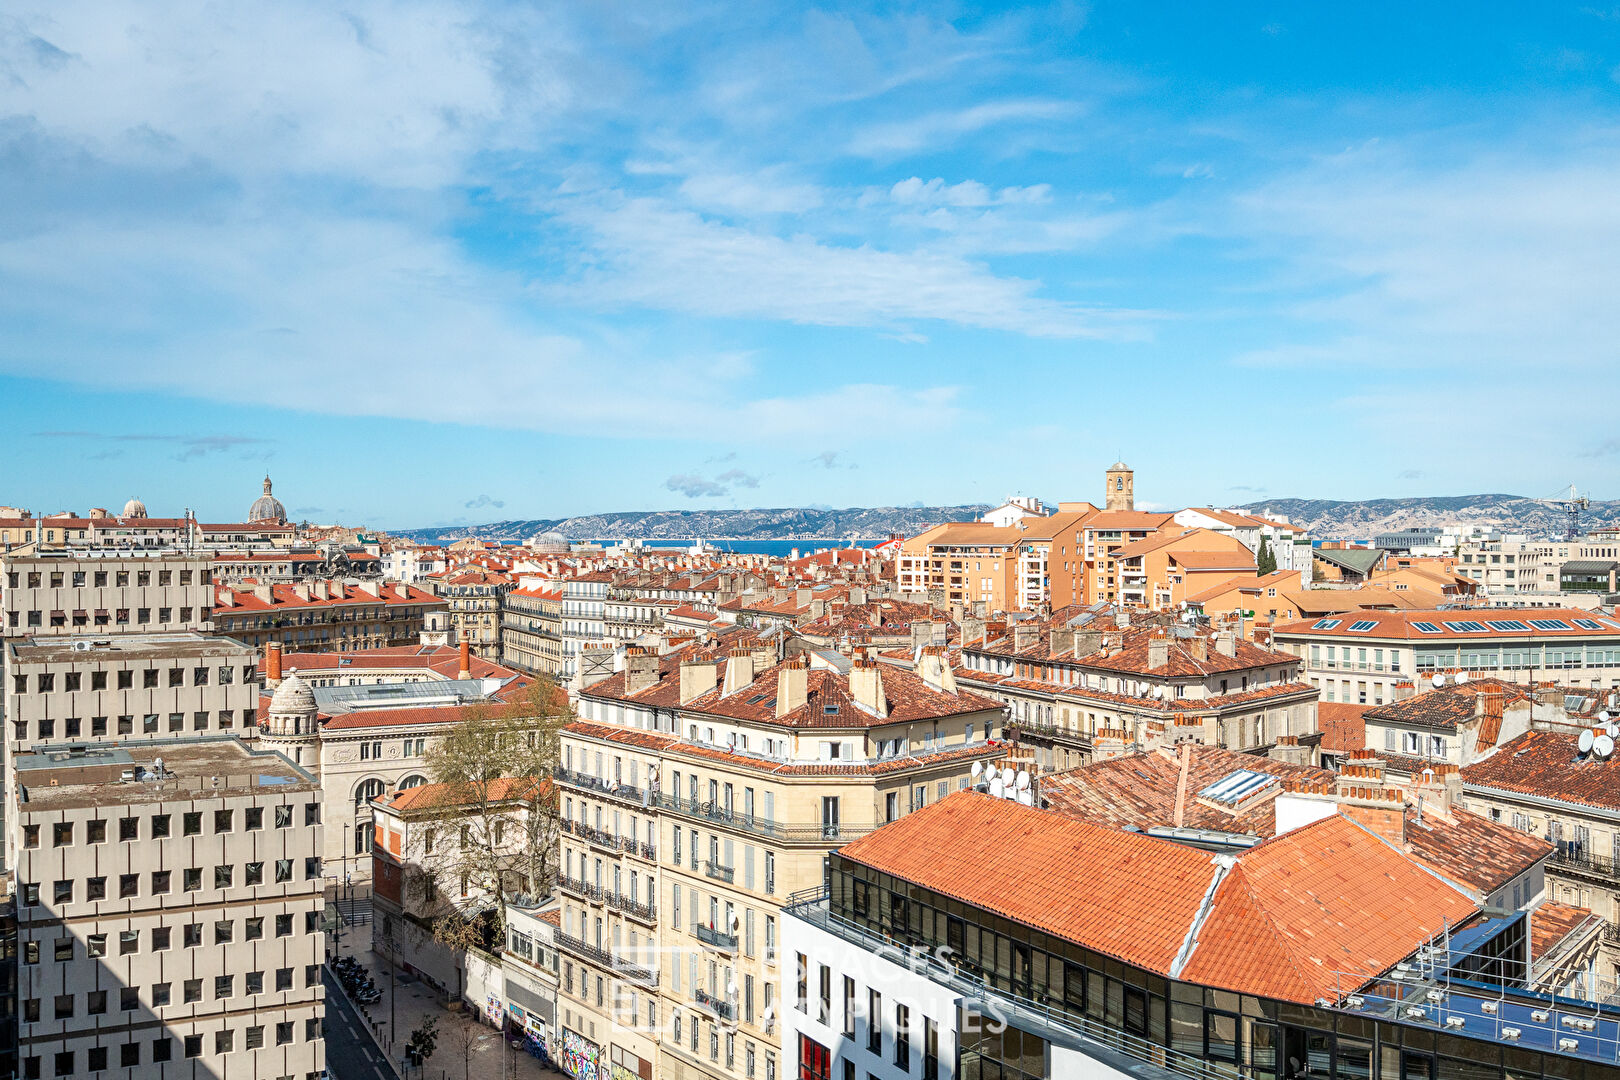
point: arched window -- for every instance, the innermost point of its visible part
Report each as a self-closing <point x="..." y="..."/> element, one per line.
<point x="1119" y="483"/>
<point x="413" y="780"/>
<point x="368" y="790"/>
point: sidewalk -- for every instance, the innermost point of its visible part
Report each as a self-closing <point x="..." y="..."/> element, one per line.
<point x="484" y="1059"/>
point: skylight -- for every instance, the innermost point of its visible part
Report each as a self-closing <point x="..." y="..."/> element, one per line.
<point x="1325" y="624"/>
<point x="1469" y="627"/>
<point x="1588" y="624"/>
<point x="1610" y="623"/>
<point x="1361" y="626"/>
<point x="1550" y="624"/>
<point x="1234" y="787"/>
<point x="1426" y="628"/>
<point x="1508" y="624"/>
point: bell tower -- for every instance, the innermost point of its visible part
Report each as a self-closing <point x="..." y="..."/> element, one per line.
<point x="1121" y="489"/>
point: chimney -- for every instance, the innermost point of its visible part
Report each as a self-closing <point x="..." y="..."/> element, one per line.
<point x="935" y="671"/>
<point x="262" y="591"/>
<point x="225" y="597"/>
<point x="739" y="671"/>
<point x="866" y="687"/>
<point x="1087" y="642"/>
<point x="792" y="686"/>
<point x="1404" y="690"/>
<point x="466" y="662"/>
<point x="1287" y="749"/>
<point x="1025" y="635"/>
<point x="1225" y="643"/>
<point x="640" y="669"/>
<point x="1158" y="651"/>
<point x="857" y="596"/>
<point x="698" y="677"/>
<point x="765" y="655"/>
<point x="972" y="629"/>
<point x="1122" y="619"/>
<point x="1439" y="787"/>
<point x="818" y="608"/>
<point x="801" y="598"/>
<point x="922" y="634"/>
<point x="1062" y="642"/>
<point x="1108" y="743"/>
<point x="302" y="589"/>
<point x="272" y="664"/>
<point x="1379" y="809"/>
<point x="1199" y="647"/>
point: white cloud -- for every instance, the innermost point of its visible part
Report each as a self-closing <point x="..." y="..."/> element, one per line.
<point x="938" y="130"/>
<point x="647" y="253"/>
<point x="936" y="192"/>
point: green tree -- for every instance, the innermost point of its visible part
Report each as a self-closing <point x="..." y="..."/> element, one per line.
<point x="424" y="1040"/>
<point x="1265" y="562"/>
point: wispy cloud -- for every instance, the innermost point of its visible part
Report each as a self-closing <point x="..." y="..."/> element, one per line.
<point x="738" y="478"/>
<point x="695" y="487"/>
<point x="190" y="447"/>
<point x="939" y="129"/>
<point x="481" y="501"/>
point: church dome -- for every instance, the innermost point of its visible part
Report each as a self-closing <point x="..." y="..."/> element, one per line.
<point x="1118" y="466"/>
<point x="134" y="509"/>
<point x="265" y="508"/>
<point x="292" y="698"/>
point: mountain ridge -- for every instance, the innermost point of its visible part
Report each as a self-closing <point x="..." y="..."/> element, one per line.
<point x="1327" y="519"/>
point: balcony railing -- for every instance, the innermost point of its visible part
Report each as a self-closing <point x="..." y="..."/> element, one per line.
<point x="611" y="788"/>
<point x="716" y="1004"/>
<point x="580" y="888"/>
<point x="719" y="872"/>
<point x="643" y="975"/>
<point x="599" y="837"/>
<point x="634" y="908"/>
<point x="716" y="938"/>
<point x="569" y="943"/>
<point x="1590" y="863"/>
<point x="833" y="833"/>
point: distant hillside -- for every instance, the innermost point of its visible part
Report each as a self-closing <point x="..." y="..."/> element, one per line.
<point x="1330" y="519"/>
<point x="870" y="523"/>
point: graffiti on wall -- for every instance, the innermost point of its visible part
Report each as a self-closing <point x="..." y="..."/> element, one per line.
<point x="581" y="1058"/>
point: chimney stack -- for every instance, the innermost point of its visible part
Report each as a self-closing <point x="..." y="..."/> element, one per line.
<point x="1225" y="643"/>
<point x="866" y="687"/>
<point x="739" y="671"/>
<point x="935" y="671"/>
<point x="1025" y="635"/>
<point x="792" y="686"/>
<point x="1158" y="651"/>
<point x="640" y="669"/>
<point x="698" y="677"/>
<point x="466" y="661"/>
<point x="272" y="664"/>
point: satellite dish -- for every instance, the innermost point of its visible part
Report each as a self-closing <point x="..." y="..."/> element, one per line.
<point x="1026" y="798"/>
<point x="731" y="988"/>
<point x="1461" y="677"/>
<point x="1023" y="780"/>
<point x="978" y="769"/>
<point x="996" y="788"/>
<point x="735" y="922"/>
<point x="770" y="1012"/>
<point x="1603" y="745"/>
<point x="1438" y="681"/>
<point x="1585" y="741"/>
<point x="990" y="774"/>
<point x="1603" y="716"/>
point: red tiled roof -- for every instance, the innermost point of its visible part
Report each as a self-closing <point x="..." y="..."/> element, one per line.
<point x="430" y="796"/>
<point x="1550" y="923"/>
<point x="1549" y="764"/>
<point x="1398" y="624"/>
<point x="1342" y="726"/>
<point x="286" y="596"/>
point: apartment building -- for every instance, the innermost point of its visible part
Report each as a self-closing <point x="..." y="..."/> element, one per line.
<point x="1289" y="544"/>
<point x="327" y="562"/>
<point x="169" y="896"/>
<point x="324" y="616"/>
<point x="964" y="563"/>
<point x="1060" y="948"/>
<point x="105" y="594"/>
<point x="1541" y="569"/>
<point x="531" y="630"/>
<point x="700" y="790"/>
<point x="1362" y="656"/>
<point x="530" y="968"/>
<point x="474" y="600"/>
<point x="1084" y="684"/>
<point x="129" y="687"/>
<point x="584" y="610"/>
<point x="1161" y="571"/>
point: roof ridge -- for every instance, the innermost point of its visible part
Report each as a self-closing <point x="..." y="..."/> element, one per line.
<point x="1268" y="923"/>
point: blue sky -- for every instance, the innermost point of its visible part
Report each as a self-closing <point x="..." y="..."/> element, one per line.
<point x="430" y="263"/>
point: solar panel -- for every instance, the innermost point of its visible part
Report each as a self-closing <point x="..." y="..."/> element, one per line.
<point x="1325" y="624"/>
<point x="1361" y="626"/>
<point x="1426" y="628"/>
<point x="1468" y="627"/>
<point x="1588" y="624"/>
<point x="1550" y="624"/>
<point x="1508" y="624"/>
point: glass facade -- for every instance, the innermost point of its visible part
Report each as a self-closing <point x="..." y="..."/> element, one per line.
<point x="1191" y="1029"/>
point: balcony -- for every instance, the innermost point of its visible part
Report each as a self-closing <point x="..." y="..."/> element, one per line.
<point x="632" y="907"/>
<point x="719" y="872"/>
<point x="571" y="944"/>
<point x="611" y="788"/>
<point x="580" y="888"/>
<point x="635" y="972"/>
<point x="711" y="814"/>
<point x="1576" y="861"/>
<point x="716" y="939"/>
<point x="716" y="1004"/>
<point x="598" y="837"/>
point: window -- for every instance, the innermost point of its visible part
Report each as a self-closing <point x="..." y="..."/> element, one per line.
<point x="874" y="1021"/>
<point x="160" y="825"/>
<point x="95" y="832"/>
<point x="191" y="823"/>
<point x="191" y="991"/>
<point x="253" y="818"/>
<point x="160" y="881"/>
<point x="129" y="828"/>
<point x="902" y="1037"/>
<point x="815" y="1061"/>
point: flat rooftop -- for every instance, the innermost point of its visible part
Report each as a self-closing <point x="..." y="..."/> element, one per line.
<point x="93" y="648"/>
<point x="93" y="774"/>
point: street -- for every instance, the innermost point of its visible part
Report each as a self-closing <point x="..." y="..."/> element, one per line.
<point x="350" y="1052"/>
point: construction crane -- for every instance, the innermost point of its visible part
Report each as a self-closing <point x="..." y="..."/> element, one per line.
<point x="1571" y="502"/>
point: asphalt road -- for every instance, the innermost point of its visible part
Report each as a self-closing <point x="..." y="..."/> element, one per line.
<point x="350" y="1053"/>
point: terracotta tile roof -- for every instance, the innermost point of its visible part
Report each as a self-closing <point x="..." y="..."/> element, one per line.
<point x="1129" y="896"/>
<point x="1549" y="764"/>
<point x="1473" y="850"/>
<point x="244" y="599"/>
<point x="437" y="796"/>
<point x="376" y="718"/>
<point x="1443" y="708"/>
<point x="1399" y="624"/>
<point x="1550" y="923"/>
<point x="1330" y="897"/>
<point x="1127" y="649"/>
<point x="1342" y="726"/>
<point x="443" y="659"/>
<point x="552" y="916"/>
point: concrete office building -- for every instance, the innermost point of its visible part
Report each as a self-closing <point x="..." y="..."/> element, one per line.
<point x="168" y="924"/>
<point x="104" y="594"/>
